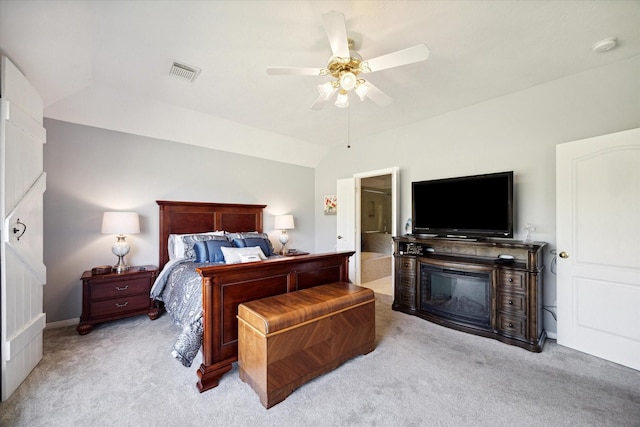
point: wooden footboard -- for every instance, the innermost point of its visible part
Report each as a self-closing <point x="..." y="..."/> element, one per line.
<point x="227" y="286"/>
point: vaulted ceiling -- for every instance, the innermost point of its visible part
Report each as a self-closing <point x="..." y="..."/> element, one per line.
<point x="90" y="60"/>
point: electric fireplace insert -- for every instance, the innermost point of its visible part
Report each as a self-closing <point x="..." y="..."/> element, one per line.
<point x="456" y="295"/>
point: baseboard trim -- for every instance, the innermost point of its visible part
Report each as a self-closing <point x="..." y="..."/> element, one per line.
<point x="63" y="323"/>
<point x="552" y="335"/>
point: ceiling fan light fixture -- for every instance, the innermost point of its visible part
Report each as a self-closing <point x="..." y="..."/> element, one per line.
<point x="326" y="90"/>
<point x="362" y="90"/>
<point x="343" y="99"/>
<point x="348" y="80"/>
<point x="345" y="65"/>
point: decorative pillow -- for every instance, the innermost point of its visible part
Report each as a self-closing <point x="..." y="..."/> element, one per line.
<point x="190" y="241"/>
<point x="263" y="243"/>
<point x="234" y="255"/>
<point x="253" y="238"/>
<point x="177" y="248"/>
<point x="249" y="258"/>
<point x="209" y="250"/>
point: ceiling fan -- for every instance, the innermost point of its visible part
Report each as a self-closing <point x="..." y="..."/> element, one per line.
<point x="346" y="67"/>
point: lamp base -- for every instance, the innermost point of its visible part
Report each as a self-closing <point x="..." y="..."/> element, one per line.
<point x="121" y="266"/>
<point x="284" y="238"/>
<point x="120" y="248"/>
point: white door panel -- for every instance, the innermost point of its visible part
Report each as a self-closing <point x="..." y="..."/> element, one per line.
<point x="16" y="88"/>
<point x="25" y="226"/>
<point x="345" y="222"/>
<point x="28" y="295"/>
<point x="23" y="154"/>
<point x="598" y="222"/>
<point x="22" y="184"/>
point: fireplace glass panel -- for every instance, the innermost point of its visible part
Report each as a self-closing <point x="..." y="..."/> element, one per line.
<point x="456" y="295"/>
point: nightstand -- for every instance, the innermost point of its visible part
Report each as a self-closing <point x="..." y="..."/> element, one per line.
<point x="114" y="296"/>
<point x="296" y="252"/>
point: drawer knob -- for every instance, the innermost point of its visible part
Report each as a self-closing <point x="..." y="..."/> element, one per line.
<point x="510" y="302"/>
<point x="122" y="305"/>
<point x="510" y="325"/>
<point x="122" y="289"/>
<point x="510" y="279"/>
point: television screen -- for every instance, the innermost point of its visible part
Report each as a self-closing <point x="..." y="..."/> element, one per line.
<point x="470" y="206"/>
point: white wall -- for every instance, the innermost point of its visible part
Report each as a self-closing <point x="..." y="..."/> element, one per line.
<point x="516" y="132"/>
<point x="91" y="170"/>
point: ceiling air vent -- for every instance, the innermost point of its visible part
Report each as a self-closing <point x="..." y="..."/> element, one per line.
<point x="184" y="71"/>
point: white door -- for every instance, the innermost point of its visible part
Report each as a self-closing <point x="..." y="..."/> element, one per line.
<point x="598" y="221"/>
<point x="22" y="184"/>
<point x="345" y="221"/>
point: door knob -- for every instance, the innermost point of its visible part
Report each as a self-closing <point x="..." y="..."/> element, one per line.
<point x="339" y="237"/>
<point x="563" y="254"/>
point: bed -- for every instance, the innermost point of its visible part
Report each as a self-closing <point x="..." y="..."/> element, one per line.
<point x="222" y="287"/>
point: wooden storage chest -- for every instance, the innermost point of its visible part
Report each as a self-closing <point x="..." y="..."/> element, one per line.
<point x="286" y="340"/>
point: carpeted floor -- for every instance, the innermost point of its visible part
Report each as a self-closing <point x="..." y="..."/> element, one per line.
<point x="420" y="374"/>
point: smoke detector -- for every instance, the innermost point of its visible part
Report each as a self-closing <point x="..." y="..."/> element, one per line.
<point x="184" y="71"/>
<point x="605" y="45"/>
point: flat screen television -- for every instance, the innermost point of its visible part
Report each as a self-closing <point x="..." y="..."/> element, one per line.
<point x="469" y="206"/>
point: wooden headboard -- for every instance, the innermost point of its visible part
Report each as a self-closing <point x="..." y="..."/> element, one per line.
<point x="199" y="217"/>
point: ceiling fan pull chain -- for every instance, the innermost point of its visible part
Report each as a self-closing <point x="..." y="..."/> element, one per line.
<point x="348" y="127"/>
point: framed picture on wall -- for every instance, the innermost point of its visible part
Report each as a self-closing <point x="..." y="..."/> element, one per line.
<point x="330" y="204"/>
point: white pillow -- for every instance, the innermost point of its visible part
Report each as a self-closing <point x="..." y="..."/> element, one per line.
<point x="235" y="255"/>
<point x="249" y="258"/>
<point x="176" y="243"/>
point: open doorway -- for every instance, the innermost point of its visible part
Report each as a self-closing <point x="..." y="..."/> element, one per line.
<point x="376" y="224"/>
<point x="350" y="224"/>
<point x="375" y="228"/>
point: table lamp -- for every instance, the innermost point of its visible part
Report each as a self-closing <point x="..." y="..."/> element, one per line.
<point x="120" y="223"/>
<point x="284" y="223"/>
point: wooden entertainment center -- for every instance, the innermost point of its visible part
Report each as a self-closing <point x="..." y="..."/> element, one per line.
<point x="509" y="273"/>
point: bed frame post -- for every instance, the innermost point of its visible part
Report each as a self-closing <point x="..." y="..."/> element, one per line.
<point x="209" y="373"/>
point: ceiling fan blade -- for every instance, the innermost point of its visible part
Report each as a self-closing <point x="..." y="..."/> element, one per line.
<point x="293" y="71"/>
<point x="337" y="33"/>
<point x="396" y="59"/>
<point x="319" y="103"/>
<point x="377" y="96"/>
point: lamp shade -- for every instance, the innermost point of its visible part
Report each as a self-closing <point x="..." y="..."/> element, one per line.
<point x="326" y="90"/>
<point x="343" y="99"/>
<point x="362" y="91"/>
<point x="284" y="222"/>
<point x="120" y="223"/>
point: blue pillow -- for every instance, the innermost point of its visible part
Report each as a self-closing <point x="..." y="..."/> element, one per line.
<point x="263" y="243"/>
<point x="209" y="250"/>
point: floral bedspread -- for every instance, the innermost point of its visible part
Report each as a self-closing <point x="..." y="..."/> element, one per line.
<point x="179" y="286"/>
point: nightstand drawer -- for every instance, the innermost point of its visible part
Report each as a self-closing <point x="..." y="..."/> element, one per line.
<point x="120" y="305"/>
<point x="119" y="289"/>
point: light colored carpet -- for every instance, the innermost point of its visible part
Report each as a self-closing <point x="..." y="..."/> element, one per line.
<point x="420" y="374"/>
